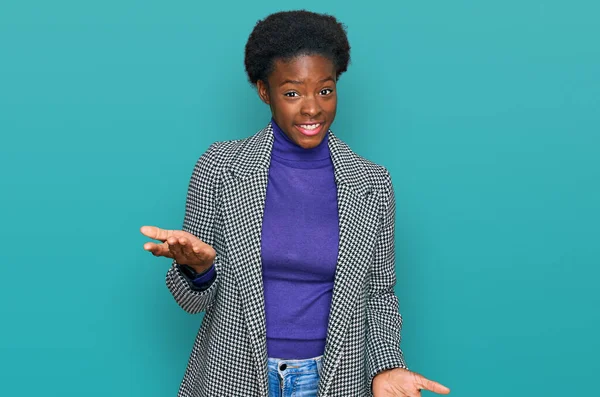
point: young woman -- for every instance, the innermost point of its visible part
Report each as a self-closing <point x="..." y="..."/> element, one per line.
<point x="288" y="240"/>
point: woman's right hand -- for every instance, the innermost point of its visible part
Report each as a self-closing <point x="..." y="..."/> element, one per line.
<point x="184" y="247"/>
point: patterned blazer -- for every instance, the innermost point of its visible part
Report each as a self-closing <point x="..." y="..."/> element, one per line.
<point x="224" y="208"/>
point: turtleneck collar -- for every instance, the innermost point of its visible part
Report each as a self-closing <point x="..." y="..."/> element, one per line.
<point x="284" y="148"/>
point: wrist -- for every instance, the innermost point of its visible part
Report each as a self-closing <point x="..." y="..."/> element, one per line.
<point x="200" y="268"/>
<point x="194" y="271"/>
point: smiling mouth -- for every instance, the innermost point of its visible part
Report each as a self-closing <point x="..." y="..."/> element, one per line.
<point x="309" y="129"/>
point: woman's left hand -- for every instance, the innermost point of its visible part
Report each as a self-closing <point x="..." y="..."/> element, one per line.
<point x="400" y="382"/>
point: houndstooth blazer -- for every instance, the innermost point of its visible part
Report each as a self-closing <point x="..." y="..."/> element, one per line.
<point x="224" y="208"/>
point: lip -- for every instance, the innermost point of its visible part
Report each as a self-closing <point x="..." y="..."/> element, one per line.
<point x="310" y="132"/>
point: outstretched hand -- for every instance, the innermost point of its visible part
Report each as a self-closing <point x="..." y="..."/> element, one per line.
<point x="184" y="247"/>
<point x="400" y="382"/>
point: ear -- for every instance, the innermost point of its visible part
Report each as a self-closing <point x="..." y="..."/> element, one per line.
<point x="263" y="91"/>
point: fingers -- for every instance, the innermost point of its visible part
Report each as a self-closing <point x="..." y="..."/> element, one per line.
<point x="156" y="233"/>
<point x="158" y="249"/>
<point x="426" y="384"/>
<point x="180" y="248"/>
<point x="202" y="252"/>
<point x="191" y="252"/>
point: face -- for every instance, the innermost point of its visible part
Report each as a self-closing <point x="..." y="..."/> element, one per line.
<point x="303" y="99"/>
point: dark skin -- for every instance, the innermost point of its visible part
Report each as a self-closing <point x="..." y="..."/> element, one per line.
<point x="299" y="91"/>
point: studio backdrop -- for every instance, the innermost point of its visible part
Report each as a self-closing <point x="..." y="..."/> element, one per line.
<point x="485" y="113"/>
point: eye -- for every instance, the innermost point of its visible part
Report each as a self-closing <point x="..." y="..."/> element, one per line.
<point x="291" y="94"/>
<point x="326" y="91"/>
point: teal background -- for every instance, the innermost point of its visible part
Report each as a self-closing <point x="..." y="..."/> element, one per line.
<point x="486" y="114"/>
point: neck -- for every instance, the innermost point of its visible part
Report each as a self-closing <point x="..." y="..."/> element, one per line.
<point x="284" y="147"/>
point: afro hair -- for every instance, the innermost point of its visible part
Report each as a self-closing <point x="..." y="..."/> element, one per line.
<point x="288" y="34"/>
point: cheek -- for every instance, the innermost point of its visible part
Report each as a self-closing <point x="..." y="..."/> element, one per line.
<point x="286" y="109"/>
<point x="330" y="106"/>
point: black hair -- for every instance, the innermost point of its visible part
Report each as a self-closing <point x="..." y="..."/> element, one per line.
<point x="287" y="34"/>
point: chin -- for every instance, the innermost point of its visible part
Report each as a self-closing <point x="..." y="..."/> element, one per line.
<point x="310" y="142"/>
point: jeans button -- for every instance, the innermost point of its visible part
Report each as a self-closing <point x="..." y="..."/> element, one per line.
<point x="282" y="367"/>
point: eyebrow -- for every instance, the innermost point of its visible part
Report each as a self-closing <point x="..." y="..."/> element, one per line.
<point x="297" y="82"/>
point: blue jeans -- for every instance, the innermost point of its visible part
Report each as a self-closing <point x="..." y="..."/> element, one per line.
<point x="294" y="378"/>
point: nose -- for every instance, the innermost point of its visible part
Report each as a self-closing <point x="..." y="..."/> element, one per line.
<point x="310" y="107"/>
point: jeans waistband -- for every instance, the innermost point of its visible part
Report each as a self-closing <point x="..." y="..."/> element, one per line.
<point x="303" y="365"/>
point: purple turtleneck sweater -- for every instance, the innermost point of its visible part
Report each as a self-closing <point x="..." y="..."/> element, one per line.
<point x="299" y="248"/>
<point x="300" y="237"/>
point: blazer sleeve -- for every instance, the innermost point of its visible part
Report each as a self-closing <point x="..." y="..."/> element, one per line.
<point x="384" y="320"/>
<point x="199" y="220"/>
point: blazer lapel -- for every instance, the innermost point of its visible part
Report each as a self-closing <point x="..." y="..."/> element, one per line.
<point x="358" y="208"/>
<point x="243" y="200"/>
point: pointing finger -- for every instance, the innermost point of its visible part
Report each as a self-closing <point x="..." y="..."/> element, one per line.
<point x="156" y="232"/>
<point x="424" y="383"/>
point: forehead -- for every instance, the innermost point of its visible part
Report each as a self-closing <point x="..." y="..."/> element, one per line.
<point x="303" y="68"/>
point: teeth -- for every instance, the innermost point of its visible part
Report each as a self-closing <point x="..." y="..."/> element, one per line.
<point x="309" y="126"/>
